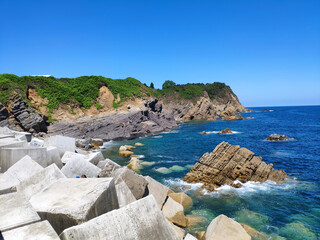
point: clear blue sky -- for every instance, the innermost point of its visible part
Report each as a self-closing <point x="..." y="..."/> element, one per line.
<point x="267" y="51"/>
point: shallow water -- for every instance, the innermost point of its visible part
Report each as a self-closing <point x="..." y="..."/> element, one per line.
<point x="290" y="210"/>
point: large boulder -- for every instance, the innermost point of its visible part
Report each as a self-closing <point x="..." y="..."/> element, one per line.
<point x="40" y="180"/>
<point x="181" y="198"/>
<point x="10" y="156"/>
<point x="136" y="183"/>
<point x="229" y="164"/>
<point x="141" y="219"/>
<point x="63" y="143"/>
<point x="77" y="166"/>
<point x="36" y="231"/>
<point x="224" y="228"/>
<point x="69" y="202"/>
<point x="174" y="212"/>
<point x="159" y="191"/>
<point x="15" y="212"/>
<point x="225" y="131"/>
<point x="20" y="171"/>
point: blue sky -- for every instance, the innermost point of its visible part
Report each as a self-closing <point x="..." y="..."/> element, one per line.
<point x="267" y="51"/>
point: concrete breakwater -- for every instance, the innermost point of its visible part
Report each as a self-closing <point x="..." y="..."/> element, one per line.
<point x="49" y="189"/>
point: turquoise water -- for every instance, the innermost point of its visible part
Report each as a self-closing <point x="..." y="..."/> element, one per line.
<point x="290" y="210"/>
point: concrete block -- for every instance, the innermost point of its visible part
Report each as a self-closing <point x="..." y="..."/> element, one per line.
<point x="15" y="212"/>
<point x="94" y="158"/>
<point x="37" y="142"/>
<point x="36" y="231"/>
<point x="40" y="181"/>
<point x="63" y="143"/>
<point x="78" y="166"/>
<point x="18" y="172"/>
<point x="190" y="237"/>
<point x="71" y="201"/>
<point x="136" y="183"/>
<point x="54" y="156"/>
<point x="6" y="136"/>
<point x="141" y="219"/>
<point x="174" y="212"/>
<point x="124" y="194"/>
<point x="158" y="190"/>
<point x="10" y="156"/>
<point x="108" y="167"/>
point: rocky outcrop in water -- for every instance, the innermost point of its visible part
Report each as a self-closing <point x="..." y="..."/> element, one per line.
<point x="225" y="131"/>
<point x="277" y="137"/>
<point x="124" y="125"/>
<point x="230" y="113"/>
<point x="228" y="163"/>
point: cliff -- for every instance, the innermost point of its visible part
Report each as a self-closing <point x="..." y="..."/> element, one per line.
<point x="95" y="106"/>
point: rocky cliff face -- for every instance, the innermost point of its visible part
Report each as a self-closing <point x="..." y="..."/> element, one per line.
<point x="204" y="107"/>
<point x="116" y="126"/>
<point x="228" y="163"/>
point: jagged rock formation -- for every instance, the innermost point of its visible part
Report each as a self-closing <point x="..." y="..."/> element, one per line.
<point x="230" y="113"/>
<point x="228" y="163"/>
<point x="277" y="137"/>
<point x="225" y="131"/>
<point x="22" y="116"/>
<point x="125" y="125"/>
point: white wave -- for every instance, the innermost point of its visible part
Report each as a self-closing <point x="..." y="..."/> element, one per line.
<point x="172" y="131"/>
<point x="178" y="183"/>
<point x="157" y="136"/>
<point x="163" y="156"/>
<point x="140" y="156"/>
<point x="108" y="144"/>
<point x="216" y="132"/>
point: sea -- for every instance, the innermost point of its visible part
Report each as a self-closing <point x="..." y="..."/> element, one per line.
<point x="290" y="210"/>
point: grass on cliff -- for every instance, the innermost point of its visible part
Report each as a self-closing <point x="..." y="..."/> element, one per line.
<point x="85" y="90"/>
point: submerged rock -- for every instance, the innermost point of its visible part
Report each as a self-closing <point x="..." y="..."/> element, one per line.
<point x="203" y="133"/>
<point x="277" y="137"/>
<point x="228" y="163"/>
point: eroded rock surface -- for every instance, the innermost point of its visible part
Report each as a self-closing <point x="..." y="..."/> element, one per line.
<point x="228" y="163"/>
<point x="277" y="137"/>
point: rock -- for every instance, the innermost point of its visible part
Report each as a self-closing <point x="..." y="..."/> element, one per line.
<point x="230" y="114"/>
<point x="54" y="157"/>
<point x="277" y="137"/>
<point x="224" y="228"/>
<point x="174" y="212"/>
<point x="159" y="191"/>
<point x="138" y="144"/>
<point x="15" y="212"/>
<point x="10" y="156"/>
<point x="69" y="202"/>
<point x="96" y="143"/>
<point x="164" y="170"/>
<point x="194" y="220"/>
<point x="136" y="183"/>
<point x="201" y="235"/>
<point x="40" y="230"/>
<point x="134" y="164"/>
<point x="190" y="237"/>
<point x="229" y="164"/>
<point x="4" y="114"/>
<point x="203" y="133"/>
<point x="20" y="171"/>
<point x="78" y="166"/>
<point x="124" y="194"/>
<point x="125" y="153"/>
<point x="297" y="230"/>
<point x="141" y="219"/>
<point x="63" y="143"/>
<point x="181" y="198"/>
<point x="108" y="168"/>
<point x="225" y="131"/>
<point x="39" y="181"/>
<point x="254" y="233"/>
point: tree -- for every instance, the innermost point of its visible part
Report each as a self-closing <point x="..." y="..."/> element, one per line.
<point x="168" y="84"/>
<point x="151" y="85"/>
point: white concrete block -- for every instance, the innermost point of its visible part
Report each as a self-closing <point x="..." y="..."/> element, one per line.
<point x="15" y="212"/>
<point x="124" y="194"/>
<point x="40" y="181"/>
<point x="158" y="190"/>
<point x="63" y="143"/>
<point x="108" y="167"/>
<point x="71" y="201"/>
<point x="190" y="237"/>
<point x="141" y="219"/>
<point x="37" y="142"/>
<point x="54" y="156"/>
<point x="95" y="157"/>
<point x="78" y="166"/>
<point x="10" y="156"/>
<point x="20" y="171"/>
<point x="36" y="231"/>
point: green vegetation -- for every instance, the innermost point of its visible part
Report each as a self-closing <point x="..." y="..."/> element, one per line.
<point x="168" y="84"/>
<point x="83" y="91"/>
